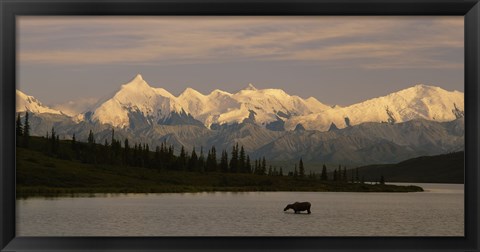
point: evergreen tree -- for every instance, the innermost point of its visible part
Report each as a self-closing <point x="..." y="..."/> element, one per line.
<point x="201" y="160"/>
<point x="140" y="156"/>
<point x="146" y="155"/>
<point x="357" y="178"/>
<point x="295" y="172"/>
<point x="193" y="161"/>
<point x="212" y="159"/>
<point x="57" y="143"/>
<point x="135" y="155"/>
<point x="182" y="159"/>
<point x="157" y="157"/>
<point x="270" y="171"/>
<point x="208" y="163"/>
<point x="126" y="153"/>
<point x="75" y="147"/>
<point x="113" y="151"/>
<point x="234" y="160"/>
<point x="301" y="169"/>
<point x="324" y="175"/>
<point x="242" y="161"/>
<point x="53" y="138"/>
<point x="91" y="139"/>
<point x="26" y="131"/>
<point x="91" y="147"/>
<point x="224" y="161"/>
<point x="248" y="165"/>
<point x="18" y="127"/>
<point x="335" y="175"/>
<point x="74" y="142"/>
<point x="105" y="144"/>
<point x="264" y="166"/>
<point x="213" y="162"/>
<point x="112" y="140"/>
<point x="281" y="172"/>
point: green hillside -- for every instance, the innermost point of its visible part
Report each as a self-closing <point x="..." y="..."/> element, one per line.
<point x="447" y="168"/>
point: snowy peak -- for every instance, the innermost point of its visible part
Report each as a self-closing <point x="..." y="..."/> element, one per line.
<point x="137" y="78"/>
<point x="423" y="87"/>
<point x="219" y="107"/>
<point x="218" y="92"/>
<point x="426" y="102"/>
<point x="419" y="90"/>
<point x="31" y="104"/>
<point x="417" y="102"/>
<point x="193" y="102"/>
<point x="138" y="85"/>
<point x="137" y="99"/>
<point x="190" y="92"/>
<point x="137" y="82"/>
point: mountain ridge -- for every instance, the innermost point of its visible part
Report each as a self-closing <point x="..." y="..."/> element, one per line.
<point x="270" y="108"/>
<point x="420" y="120"/>
<point x="275" y="105"/>
<point x="29" y="103"/>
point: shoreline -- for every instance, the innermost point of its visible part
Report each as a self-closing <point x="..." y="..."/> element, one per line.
<point x="29" y="192"/>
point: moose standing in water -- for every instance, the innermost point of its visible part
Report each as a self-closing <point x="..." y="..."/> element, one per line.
<point x="299" y="206"/>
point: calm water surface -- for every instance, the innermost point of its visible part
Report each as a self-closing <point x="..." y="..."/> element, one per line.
<point x="437" y="212"/>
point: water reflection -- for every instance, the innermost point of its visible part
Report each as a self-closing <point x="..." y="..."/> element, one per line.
<point x="436" y="212"/>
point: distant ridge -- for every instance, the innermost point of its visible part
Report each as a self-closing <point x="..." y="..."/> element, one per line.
<point x="446" y="168"/>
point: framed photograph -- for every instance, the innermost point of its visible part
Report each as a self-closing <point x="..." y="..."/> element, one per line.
<point x="258" y="125"/>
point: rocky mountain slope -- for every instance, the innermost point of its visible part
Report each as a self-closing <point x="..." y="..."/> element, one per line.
<point x="421" y="120"/>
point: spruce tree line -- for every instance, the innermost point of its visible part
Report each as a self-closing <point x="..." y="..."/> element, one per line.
<point x="22" y="131"/>
<point x="161" y="158"/>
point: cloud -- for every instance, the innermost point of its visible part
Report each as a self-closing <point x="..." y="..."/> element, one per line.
<point x="73" y="108"/>
<point x="366" y="42"/>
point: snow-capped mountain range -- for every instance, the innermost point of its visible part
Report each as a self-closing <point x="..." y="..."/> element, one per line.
<point x="421" y="120"/>
<point x="136" y="102"/>
<point x="31" y="104"/>
<point x="156" y="105"/>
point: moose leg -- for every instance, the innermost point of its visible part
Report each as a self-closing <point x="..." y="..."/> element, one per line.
<point x="308" y="211"/>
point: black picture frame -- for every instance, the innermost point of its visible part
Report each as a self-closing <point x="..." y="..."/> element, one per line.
<point x="9" y="9"/>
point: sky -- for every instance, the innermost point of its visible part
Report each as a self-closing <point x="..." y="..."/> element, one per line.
<point x="338" y="60"/>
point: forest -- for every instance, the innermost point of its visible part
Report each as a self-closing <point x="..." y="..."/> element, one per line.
<point x="47" y="165"/>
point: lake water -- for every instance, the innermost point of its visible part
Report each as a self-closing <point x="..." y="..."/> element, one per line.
<point x="437" y="212"/>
